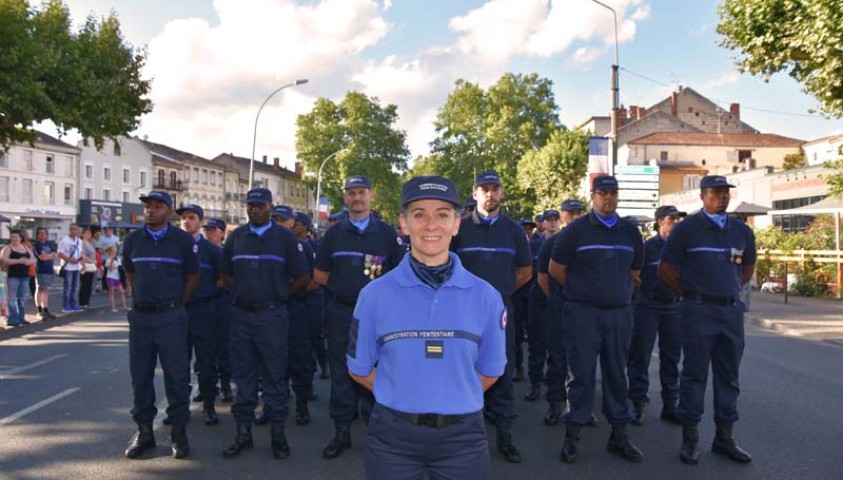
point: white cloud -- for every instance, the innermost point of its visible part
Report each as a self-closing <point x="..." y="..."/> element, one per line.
<point x="727" y="78"/>
<point x="387" y="4"/>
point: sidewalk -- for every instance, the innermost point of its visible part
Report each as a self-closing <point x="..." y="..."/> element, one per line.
<point x="812" y="318"/>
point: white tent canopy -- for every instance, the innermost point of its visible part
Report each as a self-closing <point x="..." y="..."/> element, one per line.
<point x="826" y="205"/>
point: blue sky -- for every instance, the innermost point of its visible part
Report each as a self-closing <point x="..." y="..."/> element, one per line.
<point x="214" y="62"/>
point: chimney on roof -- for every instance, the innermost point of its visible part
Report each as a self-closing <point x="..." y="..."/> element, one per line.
<point x="622" y="116"/>
<point x="264" y="159"/>
<point x="674" y="108"/>
<point x="299" y="169"/>
<point x="633" y="113"/>
<point x="735" y="110"/>
<point x="275" y="161"/>
<point x="641" y="112"/>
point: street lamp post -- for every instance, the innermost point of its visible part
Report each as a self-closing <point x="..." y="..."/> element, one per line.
<point x="319" y="177"/>
<point x="615" y="92"/>
<point x="255" y="135"/>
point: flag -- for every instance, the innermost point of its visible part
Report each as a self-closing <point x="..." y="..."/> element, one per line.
<point x="598" y="157"/>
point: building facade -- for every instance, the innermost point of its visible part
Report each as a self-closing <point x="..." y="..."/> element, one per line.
<point x="118" y="172"/>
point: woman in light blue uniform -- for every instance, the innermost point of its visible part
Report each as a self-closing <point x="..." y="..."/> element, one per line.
<point x="428" y="338"/>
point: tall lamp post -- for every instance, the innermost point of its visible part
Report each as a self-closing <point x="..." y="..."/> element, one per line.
<point x="319" y="177"/>
<point x="615" y="88"/>
<point x="255" y="135"/>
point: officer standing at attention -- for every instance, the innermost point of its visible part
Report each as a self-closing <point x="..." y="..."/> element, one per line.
<point x="520" y="308"/>
<point x="214" y="230"/>
<point x="428" y="338"/>
<point x="494" y="247"/>
<point x="314" y="298"/>
<point x="352" y="253"/>
<point x="656" y="313"/>
<point x="162" y="269"/>
<point x="596" y="259"/>
<point x="264" y="264"/>
<point x="201" y="312"/>
<point x="706" y="260"/>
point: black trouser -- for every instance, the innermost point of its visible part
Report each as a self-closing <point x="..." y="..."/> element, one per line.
<point x="345" y="392"/>
<point x="299" y="347"/>
<point x="315" y="301"/>
<point x="223" y="325"/>
<point x="86" y="287"/>
<point x="536" y="337"/>
<point x="557" y="361"/>
<point x="500" y="398"/>
<point x="202" y="340"/>
<point x="655" y="318"/>
<point x="520" y="318"/>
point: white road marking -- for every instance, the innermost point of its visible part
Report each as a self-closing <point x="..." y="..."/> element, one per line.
<point x="43" y="403"/>
<point x="4" y="374"/>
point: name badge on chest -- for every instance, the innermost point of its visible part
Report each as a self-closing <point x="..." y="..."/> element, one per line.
<point x="434" y="349"/>
<point x="736" y="256"/>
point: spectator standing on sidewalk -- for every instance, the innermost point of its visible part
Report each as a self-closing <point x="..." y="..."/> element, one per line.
<point x="45" y="256"/>
<point x="112" y="278"/>
<point x="24" y="238"/>
<point x="70" y="252"/>
<point x="88" y="271"/>
<point x="17" y="258"/>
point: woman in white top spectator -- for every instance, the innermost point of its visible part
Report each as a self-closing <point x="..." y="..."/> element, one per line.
<point x="88" y="271"/>
<point x="16" y="259"/>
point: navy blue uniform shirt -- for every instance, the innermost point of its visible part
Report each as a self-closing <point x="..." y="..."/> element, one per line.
<point x="493" y="251"/>
<point x="355" y="258"/>
<point x="159" y="266"/>
<point x="710" y="260"/>
<point x="651" y="284"/>
<point x="543" y="265"/>
<point x="263" y="266"/>
<point x="209" y="270"/>
<point x="599" y="261"/>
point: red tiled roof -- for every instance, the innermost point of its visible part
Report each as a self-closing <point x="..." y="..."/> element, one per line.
<point x="759" y="140"/>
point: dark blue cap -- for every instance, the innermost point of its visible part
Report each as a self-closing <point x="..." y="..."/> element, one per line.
<point x="527" y="221"/>
<point x="712" y="181"/>
<point x="339" y="216"/>
<point x="604" y="182"/>
<point x="429" y="187"/>
<point x="192" y="208"/>
<point x="668" y="211"/>
<point x="470" y="202"/>
<point x="571" y="204"/>
<point x="487" y="178"/>
<point x="550" y="213"/>
<point x="540" y="217"/>
<point x="158" y="195"/>
<point x="357" y="181"/>
<point x="215" y="223"/>
<point x="302" y="217"/>
<point x="282" y="211"/>
<point x="259" y="195"/>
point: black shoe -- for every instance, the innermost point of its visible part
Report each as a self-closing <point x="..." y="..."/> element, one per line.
<point x="242" y="440"/>
<point x="670" y="415"/>
<point x="167" y="420"/>
<point x="198" y="398"/>
<point x="210" y="414"/>
<point x="689" y="452"/>
<point x="519" y="375"/>
<point x="724" y="444"/>
<point x="143" y="440"/>
<point x="49" y="315"/>
<point x="569" y="448"/>
<point x="533" y="393"/>
<point x="507" y="447"/>
<point x="619" y="444"/>
<point x="323" y="370"/>
<point x="341" y="441"/>
<point x="226" y="396"/>
<point x="312" y="397"/>
<point x="181" y="448"/>
<point x="262" y="418"/>
<point x="638" y="413"/>
<point x="593" y="421"/>
<point x="302" y="414"/>
<point x="554" y="413"/>
<point x="280" y="447"/>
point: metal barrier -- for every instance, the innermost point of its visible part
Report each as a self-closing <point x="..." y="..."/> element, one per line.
<point x="803" y="256"/>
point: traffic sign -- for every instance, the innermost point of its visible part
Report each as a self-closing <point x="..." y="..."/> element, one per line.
<point x="638" y="195"/>
<point x="637" y="169"/>
<point x="638" y="185"/>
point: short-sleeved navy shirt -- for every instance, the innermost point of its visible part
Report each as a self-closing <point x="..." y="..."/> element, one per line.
<point x="493" y="251"/>
<point x="160" y="266"/>
<point x="709" y="259"/>
<point x="210" y="257"/>
<point x="44" y="266"/>
<point x="599" y="260"/>
<point x="650" y="281"/>
<point x="354" y="258"/>
<point x="263" y="266"/>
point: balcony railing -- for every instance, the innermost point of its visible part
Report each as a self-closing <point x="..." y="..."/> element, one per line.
<point x="168" y="185"/>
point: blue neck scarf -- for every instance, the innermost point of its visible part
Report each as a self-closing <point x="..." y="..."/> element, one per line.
<point x="157" y="234"/>
<point x="719" y="219"/>
<point x="433" y="277"/>
<point x="488" y="220"/>
<point x="609" y="221"/>
<point x="259" y="230"/>
<point x="361" y="225"/>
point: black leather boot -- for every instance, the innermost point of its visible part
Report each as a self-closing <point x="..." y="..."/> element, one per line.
<point x="280" y="448"/>
<point x="167" y="420"/>
<point x="724" y="444"/>
<point x="689" y="452"/>
<point x="262" y="418"/>
<point x="619" y="444"/>
<point x="593" y="421"/>
<point x="341" y="441"/>
<point x="533" y="393"/>
<point x="669" y="414"/>
<point x="181" y="447"/>
<point x="638" y="413"/>
<point x="302" y="413"/>
<point x="225" y="393"/>
<point x="242" y="440"/>
<point x="507" y="446"/>
<point x="519" y="374"/>
<point x="323" y="369"/>
<point x="143" y="440"/>
<point x="554" y="413"/>
<point x="569" y="448"/>
<point x="210" y="413"/>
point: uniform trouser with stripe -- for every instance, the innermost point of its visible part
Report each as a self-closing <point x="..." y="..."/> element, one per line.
<point x="345" y="392"/>
<point x="202" y="340"/>
<point x="652" y="319"/>
<point x="557" y="359"/>
<point x="399" y="450"/>
<point x="520" y="318"/>
<point x="711" y="335"/>
<point x="222" y="319"/>
<point x="258" y="348"/>
<point x="300" y="344"/>
<point x="500" y="398"/>
<point x="592" y="332"/>
<point x="536" y="339"/>
<point x="153" y="337"/>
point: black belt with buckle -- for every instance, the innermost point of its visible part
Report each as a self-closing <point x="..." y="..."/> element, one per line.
<point x="256" y="307"/>
<point x="669" y="298"/>
<point x="721" y="300"/>
<point x="433" y="420"/>
<point x="155" y="307"/>
<point x="344" y="300"/>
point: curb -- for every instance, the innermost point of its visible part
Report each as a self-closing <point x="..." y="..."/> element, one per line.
<point x="37" y="326"/>
<point x="771" y="325"/>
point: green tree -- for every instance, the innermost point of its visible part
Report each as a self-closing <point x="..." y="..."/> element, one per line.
<point x="89" y="80"/>
<point x="800" y="37"/>
<point x="554" y="173"/>
<point x="835" y="180"/>
<point x="369" y="144"/>
<point x="793" y="161"/>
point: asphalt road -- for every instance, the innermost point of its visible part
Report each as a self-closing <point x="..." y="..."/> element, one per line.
<point x="65" y="397"/>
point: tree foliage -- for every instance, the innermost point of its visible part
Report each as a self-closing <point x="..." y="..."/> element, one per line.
<point x="793" y="161"/>
<point x="369" y="144"/>
<point x="554" y="173"/>
<point x="800" y="37"/>
<point x="88" y="80"/>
